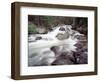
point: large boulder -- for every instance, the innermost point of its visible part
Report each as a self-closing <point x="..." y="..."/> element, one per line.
<point x="62" y="36"/>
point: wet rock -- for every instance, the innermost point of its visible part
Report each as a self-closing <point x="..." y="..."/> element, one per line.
<point x="38" y="38"/>
<point x="63" y="59"/>
<point x="62" y="36"/>
<point x="62" y="29"/>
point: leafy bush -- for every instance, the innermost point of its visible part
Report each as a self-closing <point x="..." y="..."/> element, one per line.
<point x="32" y="28"/>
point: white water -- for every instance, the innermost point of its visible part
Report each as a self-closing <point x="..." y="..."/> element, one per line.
<point x="39" y="50"/>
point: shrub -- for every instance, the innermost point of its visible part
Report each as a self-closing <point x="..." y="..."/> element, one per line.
<point x="32" y="28"/>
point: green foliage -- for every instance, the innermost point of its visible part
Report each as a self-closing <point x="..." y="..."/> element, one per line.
<point x="48" y="18"/>
<point x="32" y="27"/>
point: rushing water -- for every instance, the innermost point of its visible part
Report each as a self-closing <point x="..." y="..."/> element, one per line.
<point x="39" y="51"/>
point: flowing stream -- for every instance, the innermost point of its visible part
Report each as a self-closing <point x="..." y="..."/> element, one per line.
<point x="39" y="51"/>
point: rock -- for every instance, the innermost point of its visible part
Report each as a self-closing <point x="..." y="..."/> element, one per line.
<point x="38" y="38"/>
<point x="62" y="29"/>
<point x="62" y="36"/>
<point x="63" y="59"/>
<point x="57" y="50"/>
